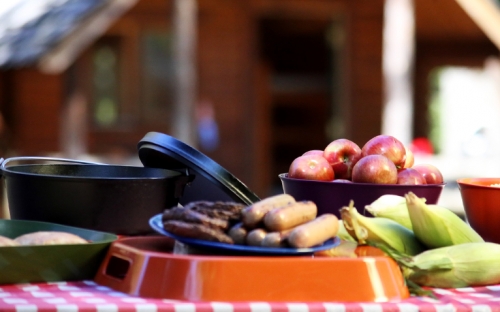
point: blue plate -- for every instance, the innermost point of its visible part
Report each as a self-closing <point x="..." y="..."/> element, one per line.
<point x="157" y="225"/>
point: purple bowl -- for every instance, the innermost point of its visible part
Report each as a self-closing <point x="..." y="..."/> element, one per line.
<point x="331" y="196"/>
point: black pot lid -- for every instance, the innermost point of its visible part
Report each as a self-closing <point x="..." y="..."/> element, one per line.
<point x="211" y="181"/>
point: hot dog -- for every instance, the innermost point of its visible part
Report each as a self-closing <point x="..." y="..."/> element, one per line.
<point x="253" y="214"/>
<point x="314" y="232"/>
<point x="287" y="217"/>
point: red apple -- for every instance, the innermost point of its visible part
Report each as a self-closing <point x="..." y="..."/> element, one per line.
<point x="431" y="173"/>
<point x="342" y="154"/>
<point x="410" y="159"/>
<point x="311" y="167"/>
<point x="388" y="146"/>
<point x="410" y="176"/>
<point x="375" y="169"/>
<point x="313" y="152"/>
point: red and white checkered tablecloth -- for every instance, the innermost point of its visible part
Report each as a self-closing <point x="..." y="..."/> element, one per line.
<point x="88" y="296"/>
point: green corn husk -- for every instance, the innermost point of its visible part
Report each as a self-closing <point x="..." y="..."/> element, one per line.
<point x="391" y="207"/>
<point x="464" y="265"/>
<point x="437" y="226"/>
<point x="343" y="234"/>
<point x="380" y="230"/>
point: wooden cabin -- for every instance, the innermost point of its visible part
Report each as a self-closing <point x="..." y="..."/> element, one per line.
<point x="279" y="77"/>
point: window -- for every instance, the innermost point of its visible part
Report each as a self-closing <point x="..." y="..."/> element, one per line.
<point x="105" y="82"/>
<point x="157" y="76"/>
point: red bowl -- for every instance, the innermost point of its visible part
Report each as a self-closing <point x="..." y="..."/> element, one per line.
<point x="482" y="206"/>
<point x="331" y="196"/>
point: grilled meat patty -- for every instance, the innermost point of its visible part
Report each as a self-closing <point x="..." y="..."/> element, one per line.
<point x="220" y="210"/>
<point x="193" y="216"/>
<point x="203" y="220"/>
<point x="196" y="230"/>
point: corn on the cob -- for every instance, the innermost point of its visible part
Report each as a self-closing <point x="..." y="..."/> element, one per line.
<point x="343" y="234"/>
<point x="437" y="226"/>
<point x="464" y="265"/>
<point x="391" y="207"/>
<point x="380" y="230"/>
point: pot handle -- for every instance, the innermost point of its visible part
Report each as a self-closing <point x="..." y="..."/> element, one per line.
<point x="3" y="162"/>
<point x="182" y="182"/>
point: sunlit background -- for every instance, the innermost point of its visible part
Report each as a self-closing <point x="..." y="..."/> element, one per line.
<point x="253" y="83"/>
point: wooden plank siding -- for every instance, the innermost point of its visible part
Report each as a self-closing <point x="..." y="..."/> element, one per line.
<point x="364" y="70"/>
<point x="226" y="50"/>
<point x="37" y="102"/>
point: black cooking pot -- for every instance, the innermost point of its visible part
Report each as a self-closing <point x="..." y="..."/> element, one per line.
<point x="110" y="198"/>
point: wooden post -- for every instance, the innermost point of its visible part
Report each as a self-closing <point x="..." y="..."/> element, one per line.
<point x="398" y="59"/>
<point x="185" y="35"/>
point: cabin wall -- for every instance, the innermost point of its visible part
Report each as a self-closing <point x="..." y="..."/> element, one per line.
<point x="364" y="77"/>
<point x="226" y="49"/>
<point x="234" y="78"/>
<point x="231" y="77"/>
<point x="37" y="100"/>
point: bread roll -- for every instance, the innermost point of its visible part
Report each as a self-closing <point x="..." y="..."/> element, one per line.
<point x="49" y="238"/>
<point x="5" y="241"/>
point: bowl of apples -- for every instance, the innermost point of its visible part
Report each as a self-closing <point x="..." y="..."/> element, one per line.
<point x="343" y="171"/>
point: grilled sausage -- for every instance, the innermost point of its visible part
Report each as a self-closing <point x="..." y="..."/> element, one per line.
<point x="314" y="232"/>
<point x="238" y="233"/>
<point x="255" y="237"/>
<point x="253" y="214"/>
<point x="275" y="239"/>
<point x="287" y="217"/>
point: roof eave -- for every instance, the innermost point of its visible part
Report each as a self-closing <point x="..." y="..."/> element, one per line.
<point x="486" y="14"/>
<point x="62" y="55"/>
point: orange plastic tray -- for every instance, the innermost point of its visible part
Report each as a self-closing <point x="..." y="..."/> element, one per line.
<point x="146" y="267"/>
